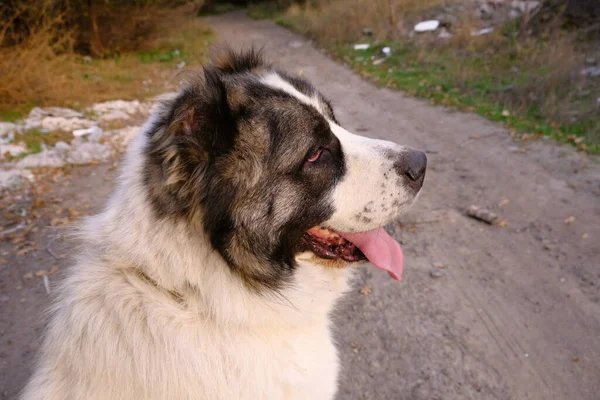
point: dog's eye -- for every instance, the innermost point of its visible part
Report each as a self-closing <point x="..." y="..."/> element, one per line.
<point x="315" y="156"/>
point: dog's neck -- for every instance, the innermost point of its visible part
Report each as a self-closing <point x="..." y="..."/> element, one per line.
<point x="178" y="258"/>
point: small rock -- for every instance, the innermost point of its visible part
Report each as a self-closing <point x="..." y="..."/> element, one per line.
<point x="427" y="26"/>
<point x="114" y="115"/>
<point x="39" y="113"/>
<point x="15" y="178"/>
<point x="525" y="6"/>
<point x="591" y="72"/>
<point x="64" y="124"/>
<point x="181" y="65"/>
<point x="361" y="46"/>
<point x="6" y="128"/>
<point x="444" y="34"/>
<point x="296" y="44"/>
<point x="435" y="274"/>
<point x="569" y="220"/>
<point x="129" y="107"/>
<point x="62" y="146"/>
<point x="485" y="11"/>
<point x="514" y="14"/>
<point x="11" y="149"/>
<point x="482" y="32"/>
<point x="438" y="265"/>
<point x="87" y="59"/>
<point x="47" y="158"/>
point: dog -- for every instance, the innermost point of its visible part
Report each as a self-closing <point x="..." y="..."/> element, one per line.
<point x="241" y="208"/>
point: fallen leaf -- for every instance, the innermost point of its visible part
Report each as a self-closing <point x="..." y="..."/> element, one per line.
<point x="28" y="275"/>
<point x="503" y="224"/>
<point x="365" y="291"/>
<point x="59" y="221"/>
<point x="73" y="213"/>
<point x="569" y="220"/>
<point x="504" y="202"/>
<point x="24" y="251"/>
<point x="412" y="229"/>
<point x="584" y="236"/>
<point x="575" y="359"/>
<point x="438" y="265"/>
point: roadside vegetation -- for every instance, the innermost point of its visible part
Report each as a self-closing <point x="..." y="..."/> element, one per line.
<point x="74" y="53"/>
<point x="527" y="72"/>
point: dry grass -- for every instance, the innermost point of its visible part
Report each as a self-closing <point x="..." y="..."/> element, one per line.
<point x="42" y="68"/>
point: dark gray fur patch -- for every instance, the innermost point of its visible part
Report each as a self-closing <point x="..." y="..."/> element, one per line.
<point x="229" y="154"/>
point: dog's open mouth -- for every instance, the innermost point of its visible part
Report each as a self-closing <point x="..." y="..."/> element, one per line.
<point x="376" y="246"/>
<point x="328" y="244"/>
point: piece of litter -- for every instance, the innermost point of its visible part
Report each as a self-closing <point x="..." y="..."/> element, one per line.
<point x="387" y="51"/>
<point x="482" y="32"/>
<point x="365" y="291"/>
<point x="361" y="46"/>
<point x="47" y="284"/>
<point x="94" y="130"/>
<point x="438" y="265"/>
<point x="569" y="220"/>
<point x="482" y="214"/>
<point x="504" y="202"/>
<point x="427" y="26"/>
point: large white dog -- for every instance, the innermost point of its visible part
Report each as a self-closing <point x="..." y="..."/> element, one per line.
<point x="213" y="269"/>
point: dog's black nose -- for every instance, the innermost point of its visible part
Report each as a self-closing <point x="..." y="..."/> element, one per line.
<point x="411" y="164"/>
<point x="416" y="164"/>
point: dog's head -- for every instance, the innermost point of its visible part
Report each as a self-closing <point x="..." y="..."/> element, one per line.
<point x="258" y="160"/>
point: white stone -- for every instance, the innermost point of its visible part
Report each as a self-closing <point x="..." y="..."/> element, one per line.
<point x="46" y="158"/>
<point x="64" y="124"/>
<point x="38" y="113"/>
<point x="129" y="107"/>
<point x="114" y="115"/>
<point x="427" y="26"/>
<point x="88" y="152"/>
<point x="14" y="178"/>
<point x="11" y="149"/>
<point x="6" y="128"/>
<point x="525" y="6"/>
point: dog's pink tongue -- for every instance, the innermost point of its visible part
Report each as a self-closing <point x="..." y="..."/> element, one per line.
<point x="380" y="249"/>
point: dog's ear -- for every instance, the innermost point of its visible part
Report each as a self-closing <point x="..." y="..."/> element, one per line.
<point x="192" y="131"/>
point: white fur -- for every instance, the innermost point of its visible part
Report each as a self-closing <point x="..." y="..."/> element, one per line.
<point x="371" y="194"/>
<point x="116" y="336"/>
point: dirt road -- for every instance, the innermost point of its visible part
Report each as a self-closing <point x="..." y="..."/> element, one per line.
<point x="513" y="314"/>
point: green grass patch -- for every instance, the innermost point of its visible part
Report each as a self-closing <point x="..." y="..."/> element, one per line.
<point x="440" y="77"/>
<point x="11" y="115"/>
<point x="528" y="85"/>
<point x="35" y="139"/>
